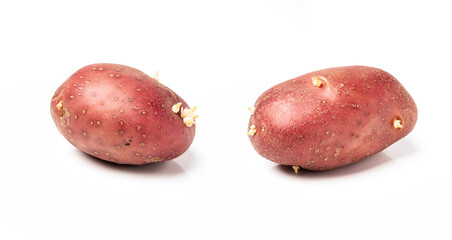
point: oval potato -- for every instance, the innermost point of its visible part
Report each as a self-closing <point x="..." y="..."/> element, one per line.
<point x="119" y="114"/>
<point x="331" y="118"/>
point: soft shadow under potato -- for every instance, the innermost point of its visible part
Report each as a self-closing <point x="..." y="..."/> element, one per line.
<point x="167" y="168"/>
<point x="372" y="162"/>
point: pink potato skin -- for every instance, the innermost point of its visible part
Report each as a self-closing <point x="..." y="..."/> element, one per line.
<point x="348" y="118"/>
<point x="119" y="114"/>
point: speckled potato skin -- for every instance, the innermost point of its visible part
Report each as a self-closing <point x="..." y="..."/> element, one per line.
<point x="119" y="114"/>
<point x="348" y="118"/>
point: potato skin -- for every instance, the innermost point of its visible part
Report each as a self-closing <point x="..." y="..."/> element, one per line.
<point x="346" y="119"/>
<point x="119" y="114"/>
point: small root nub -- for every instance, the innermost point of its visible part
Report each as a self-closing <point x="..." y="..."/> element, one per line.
<point x="176" y="107"/>
<point x="59" y="106"/>
<point x="318" y="81"/>
<point x="296" y="169"/>
<point x="156" y="76"/>
<point x="397" y="124"/>
<point x="252" y="130"/>
<point x="188" y="115"/>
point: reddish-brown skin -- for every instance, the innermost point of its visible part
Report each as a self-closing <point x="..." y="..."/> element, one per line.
<point x="119" y="114"/>
<point x="347" y="119"/>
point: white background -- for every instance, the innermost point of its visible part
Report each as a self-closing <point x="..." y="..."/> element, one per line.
<point x="220" y="56"/>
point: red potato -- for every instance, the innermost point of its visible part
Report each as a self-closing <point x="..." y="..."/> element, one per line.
<point x="331" y="118"/>
<point x="119" y="114"/>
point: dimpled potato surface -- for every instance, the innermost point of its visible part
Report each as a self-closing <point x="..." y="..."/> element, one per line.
<point x="119" y="114"/>
<point x="331" y="118"/>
